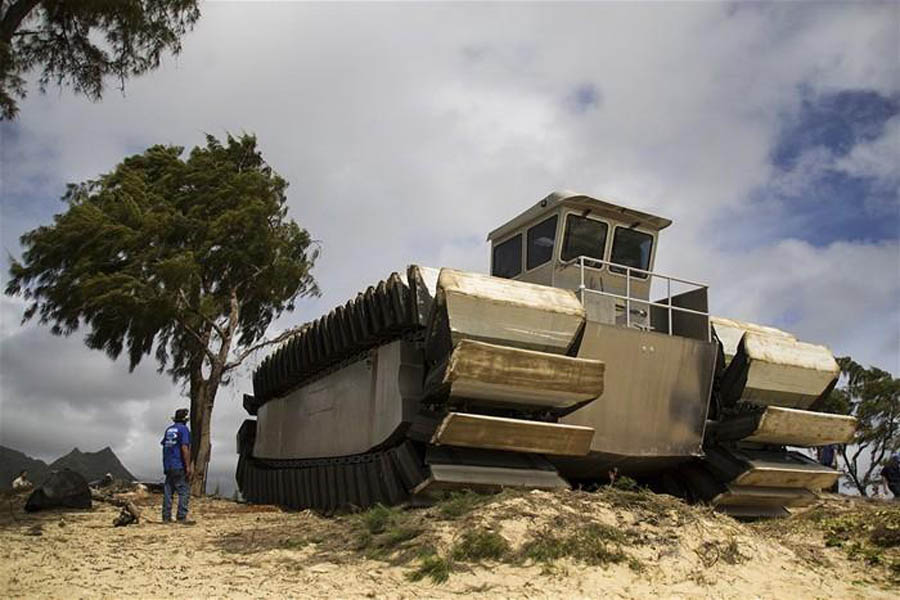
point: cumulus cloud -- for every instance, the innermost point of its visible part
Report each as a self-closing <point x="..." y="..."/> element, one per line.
<point x="408" y="132"/>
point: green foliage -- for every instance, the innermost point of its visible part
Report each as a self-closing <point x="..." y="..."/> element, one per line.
<point x="433" y="566"/>
<point x="162" y="252"/>
<point x="384" y="529"/>
<point x="80" y="43"/>
<point x="872" y="536"/>
<point x="480" y="544"/>
<point x="873" y="397"/>
<point x="594" y="544"/>
<point x="377" y="518"/>
<point x="190" y="258"/>
<point x="624" y="482"/>
<point x="460" y="503"/>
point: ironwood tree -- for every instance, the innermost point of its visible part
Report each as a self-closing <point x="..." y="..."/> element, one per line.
<point x="82" y="42"/>
<point x="873" y="397"/>
<point x="189" y="259"/>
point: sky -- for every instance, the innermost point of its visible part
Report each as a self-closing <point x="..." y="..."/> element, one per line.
<point x="769" y="134"/>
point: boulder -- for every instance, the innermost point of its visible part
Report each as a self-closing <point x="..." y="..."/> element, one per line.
<point x="62" y="489"/>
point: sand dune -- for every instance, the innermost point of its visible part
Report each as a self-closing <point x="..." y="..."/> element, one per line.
<point x="612" y="544"/>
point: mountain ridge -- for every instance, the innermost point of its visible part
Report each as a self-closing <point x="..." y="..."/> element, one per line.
<point x="90" y="465"/>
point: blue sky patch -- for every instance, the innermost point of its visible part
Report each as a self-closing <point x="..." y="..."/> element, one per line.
<point x="810" y="196"/>
<point x="836" y="121"/>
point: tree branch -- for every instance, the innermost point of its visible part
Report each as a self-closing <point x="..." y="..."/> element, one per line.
<point x="276" y="340"/>
<point x="204" y="343"/>
<point x="209" y="321"/>
<point x="14" y="16"/>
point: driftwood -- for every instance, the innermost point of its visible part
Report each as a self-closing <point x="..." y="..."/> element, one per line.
<point x="129" y="514"/>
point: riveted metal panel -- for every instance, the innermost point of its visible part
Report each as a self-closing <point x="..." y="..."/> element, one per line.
<point x="656" y="392"/>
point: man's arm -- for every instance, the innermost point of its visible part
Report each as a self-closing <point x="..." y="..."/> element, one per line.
<point x="186" y="457"/>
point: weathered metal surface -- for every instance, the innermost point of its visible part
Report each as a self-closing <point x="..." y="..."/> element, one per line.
<point x="517" y="435"/>
<point x="772" y="474"/>
<point x="463" y="476"/>
<point x="656" y="392"/>
<point x="501" y="311"/>
<point x="740" y="495"/>
<point x="730" y="332"/>
<point x="498" y="375"/>
<point x="791" y="427"/>
<point x="346" y="412"/>
<point x="778" y="371"/>
<point x="423" y="287"/>
<point x="761" y="468"/>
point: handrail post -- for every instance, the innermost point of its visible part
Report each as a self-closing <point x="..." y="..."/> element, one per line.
<point x="627" y="296"/>
<point x="581" y="286"/>
<point x="669" y="296"/>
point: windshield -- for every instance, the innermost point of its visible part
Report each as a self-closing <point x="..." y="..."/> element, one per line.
<point x="507" y="259"/>
<point x="584" y="237"/>
<point x="540" y="242"/>
<point x="632" y="249"/>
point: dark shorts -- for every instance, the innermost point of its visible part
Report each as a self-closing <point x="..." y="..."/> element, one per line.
<point x="894" y="486"/>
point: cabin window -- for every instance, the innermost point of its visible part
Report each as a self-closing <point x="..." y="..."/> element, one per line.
<point x="540" y="242"/>
<point x="507" y="258"/>
<point x="584" y="237"/>
<point x="632" y="249"/>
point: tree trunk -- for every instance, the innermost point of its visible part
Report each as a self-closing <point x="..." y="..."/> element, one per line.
<point x="201" y="442"/>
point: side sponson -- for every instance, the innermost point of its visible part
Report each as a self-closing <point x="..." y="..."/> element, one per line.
<point x="490" y="374"/>
<point x="788" y="426"/>
<point x="501" y="311"/>
<point x="516" y="435"/>
<point x="778" y="371"/>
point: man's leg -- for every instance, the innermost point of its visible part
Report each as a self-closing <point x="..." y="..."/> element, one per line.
<point x="184" y="495"/>
<point x="167" y="498"/>
<point x="894" y="486"/>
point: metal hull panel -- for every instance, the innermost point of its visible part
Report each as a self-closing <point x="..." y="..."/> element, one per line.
<point x="656" y="392"/>
<point x="347" y="412"/>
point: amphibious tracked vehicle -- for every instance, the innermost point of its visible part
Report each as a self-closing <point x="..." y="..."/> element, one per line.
<point x="573" y="358"/>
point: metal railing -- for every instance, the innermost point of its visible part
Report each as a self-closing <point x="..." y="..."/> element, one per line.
<point x="628" y="299"/>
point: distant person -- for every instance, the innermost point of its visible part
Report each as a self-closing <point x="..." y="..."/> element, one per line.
<point x="176" y="443"/>
<point x="891" y="475"/>
<point x="828" y="458"/>
<point x="21" y="483"/>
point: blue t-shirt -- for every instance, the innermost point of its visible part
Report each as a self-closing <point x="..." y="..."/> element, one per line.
<point x="176" y="436"/>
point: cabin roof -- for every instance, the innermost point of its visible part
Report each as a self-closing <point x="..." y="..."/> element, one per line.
<point x="586" y="203"/>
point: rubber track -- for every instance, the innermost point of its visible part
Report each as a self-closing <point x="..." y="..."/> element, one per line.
<point x="363" y="480"/>
<point x="382" y="313"/>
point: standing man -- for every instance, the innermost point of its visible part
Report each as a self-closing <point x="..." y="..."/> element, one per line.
<point x="891" y="475"/>
<point x="828" y="457"/>
<point x="176" y="443"/>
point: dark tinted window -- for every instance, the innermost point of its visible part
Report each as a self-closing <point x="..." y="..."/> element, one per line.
<point x="584" y="237"/>
<point x="540" y="242"/>
<point x="632" y="249"/>
<point x="507" y="259"/>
